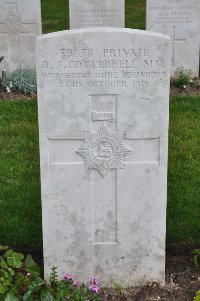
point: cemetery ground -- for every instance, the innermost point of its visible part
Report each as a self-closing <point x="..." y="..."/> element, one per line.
<point x="20" y="193"/>
<point x="20" y="218"/>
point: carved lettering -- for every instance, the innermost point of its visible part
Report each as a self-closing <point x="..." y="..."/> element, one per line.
<point x="154" y="64"/>
<point x="103" y="116"/>
<point x="97" y="17"/>
<point x="107" y="84"/>
<point x="116" y="68"/>
<point x="174" y="14"/>
<point x="135" y="53"/>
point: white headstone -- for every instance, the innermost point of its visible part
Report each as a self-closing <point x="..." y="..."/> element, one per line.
<point x="103" y="113"/>
<point x="20" y="23"/>
<point x="181" y="20"/>
<point x="96" y="13"/>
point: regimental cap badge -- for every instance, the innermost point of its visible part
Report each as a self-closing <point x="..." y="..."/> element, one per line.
<point x="103" y="150"/>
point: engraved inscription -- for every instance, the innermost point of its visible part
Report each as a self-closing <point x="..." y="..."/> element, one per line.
<point x="104" y="150"/>
<point x="107" y="67"/>
<point x="174" y="13"/>
<point x="180" y="20"/>
<point x="97" y="17"/>
<point x="103" y="116"/>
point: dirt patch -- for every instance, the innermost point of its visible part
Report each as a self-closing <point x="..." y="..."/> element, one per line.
<point x="14" y="95"/>
<point x="182" y="281"/>
<point x="192" y="90"/>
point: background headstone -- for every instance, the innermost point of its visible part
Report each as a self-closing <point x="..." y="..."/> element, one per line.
<point x="96" y="13"/>
<point x="20" y="23"/>
<point x="181" y="20"/>
<point x="103" y="112"/>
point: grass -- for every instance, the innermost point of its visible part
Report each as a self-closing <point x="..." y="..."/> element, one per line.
<point x="183" y="219"/>
<point x="20" y="217"/>
<point x="135" y="14"/>
<point x="55" y="14"/>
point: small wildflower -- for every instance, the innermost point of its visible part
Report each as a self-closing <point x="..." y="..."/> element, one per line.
<point x="191" y="81"/>
<point x="184" y="87"/>
<point x="10" y="85"/>
<point x="94" y="285"/>
<point x="28" y="274"/>
<point x="94" y="288"/>
<point x="68" y="277"/>
<point x="8" y="89"/>
<point x="75" y="284"/>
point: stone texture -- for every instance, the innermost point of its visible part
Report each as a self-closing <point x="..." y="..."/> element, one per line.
<point x="103" y="97"/>
<point x="20" y="23"/>
<point x="181" y="20"/>
<point x="95" y="13"/>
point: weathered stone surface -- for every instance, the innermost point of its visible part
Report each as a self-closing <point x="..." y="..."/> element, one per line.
<point x="181" y="20"/>
<point x="95" y="13"/>
<point x="20" y="23"/>
<point x="103" y="113"/>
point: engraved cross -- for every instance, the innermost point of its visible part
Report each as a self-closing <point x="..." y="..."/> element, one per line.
<point x="14" y="28"/>
<point x="104" y="190"/>
<point x="174" y="41"/>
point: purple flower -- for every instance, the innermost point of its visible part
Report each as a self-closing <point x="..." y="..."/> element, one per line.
<point x="94" y="288"/>
<point x="68" y="277"/>
<point x="75" y="283"/>
<point x="94" y="284"/>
